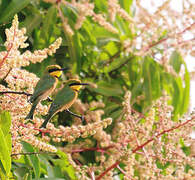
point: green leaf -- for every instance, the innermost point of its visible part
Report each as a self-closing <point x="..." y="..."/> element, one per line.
<point x="134" y="71"/>
<point x="186" y="91"/>
<point x="147" y="75"/>
<point x="126" y="4"/>
<point x="111" y="48"/>
<point x="53" y="178"/>
<point x="49" y="169"/>
<point x="5" y="122"/>
<point x="178" y="96"/>
<point x="66" y="166"/>
<point x="77" y="49"/>
<point x="115" y="114"/>
<point x="187" y="168"/>
<point x="33" y="159"/>
<point x="181" y="89"/>
<point x="32" y="20"/>
<point x="186" y="150"/>
<point x="101" y="5"/>
<point x="5" y="156"/>
<point x="13" y="7"/>
<point x="123" y="27"/>
<point x="155" y="79"/>
<point x="5" y="142"/>
<point x="117" y="63"/>
<point x="21" y="172"/>
<point x="48" y="27"/>
<point x="108" y="89"/>
<point x="101" y="33"/>
<point x="162" y="166"/>
<point x="176" y="61"/>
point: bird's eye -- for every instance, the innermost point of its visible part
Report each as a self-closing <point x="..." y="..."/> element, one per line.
<point x="52" y="70"/>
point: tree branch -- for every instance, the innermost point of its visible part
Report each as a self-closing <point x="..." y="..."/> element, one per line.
<point x="108" y="169"/>
<point x="166" y="38"/>
<point x="15" y="92"/>
<point x="161" y="133"/>
<point x="144" y="144"/>
<point x="102" y="150"/>
<point x="6" y="74"/>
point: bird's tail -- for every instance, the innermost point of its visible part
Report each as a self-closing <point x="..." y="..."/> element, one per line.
<point x="49" y="116"/>
<point x="32" y="110"/>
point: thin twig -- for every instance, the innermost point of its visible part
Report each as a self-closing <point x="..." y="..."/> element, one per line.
<point x="122" y="65"/>
<point x="144" y="144"/>
<point x="32" y="153"/>
<point x="91" y="174"/>
<point x="8" y="51"/>
<point x="42" y="131"/>
<point x="15" y="92"/>
<point x="161" y="133"/>
<point x="166" y="38"/>
<point x="108" y="169"/>
<point x="98" y="149"/>
<point x="6" y="74"/>
<point x="122" y="171"/>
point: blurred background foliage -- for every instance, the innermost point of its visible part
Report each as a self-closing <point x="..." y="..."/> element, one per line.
<point x="97" y="56"/>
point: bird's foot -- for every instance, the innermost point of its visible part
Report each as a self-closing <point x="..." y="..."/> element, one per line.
<point x="83" y="120"/>
<point x="29" y="121"/>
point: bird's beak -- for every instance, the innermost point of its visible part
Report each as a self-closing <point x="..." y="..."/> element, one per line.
<point x="63" y="69"/>
<point x="84" y="84"/>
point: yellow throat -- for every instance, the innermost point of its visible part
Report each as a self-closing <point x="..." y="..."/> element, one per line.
<point x="53" y="70"/>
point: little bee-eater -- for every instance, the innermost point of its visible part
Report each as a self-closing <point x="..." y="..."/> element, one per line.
<point x="45" y="86"/>
<point x="64" y="99"/>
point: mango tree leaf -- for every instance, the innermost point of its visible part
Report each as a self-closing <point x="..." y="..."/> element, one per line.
<point x="108" y="89"/>
<point x="126" y="4"/>
<point x="102" y="5"/>
<point x="186" y="91"/>
<point x="176" y="61"/>
<point x="147" y="84"/>
<point x="48" y="28"/>
<point x="123" y="26"/>
<point x="5" y="157"/>
<point x="47" y="166"/>
<point x="134" y="71"/>
<point x="66" y="166"/>
<point x="13" y="7"/>
<point x="5" y="123"/>
<point x="76" y="40"/>
<point x="22" y="172"/>
<point x="5" y="142"/>
<point x="32" y="20"/>
<point x="33" y="159"/>
<point x="181" y="88"/>
<point x="50" y="178"/>
<point x="117" y="63"/>
<point x="154" y="70"/>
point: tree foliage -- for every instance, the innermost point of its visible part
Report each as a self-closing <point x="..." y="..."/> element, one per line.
<point x="118" y="47"/>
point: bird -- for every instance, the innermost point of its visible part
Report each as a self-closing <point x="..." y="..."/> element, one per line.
<point x="64" y="99"/>
<point x="45" y="86"/>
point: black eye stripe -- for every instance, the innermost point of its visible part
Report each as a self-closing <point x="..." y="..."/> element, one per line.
<point x="52" y="70"/>
<point x="74" y="84"/>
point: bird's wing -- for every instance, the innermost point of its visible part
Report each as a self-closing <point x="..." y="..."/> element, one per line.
<point x="64" y="99"/>
<point x="44" y="84"/>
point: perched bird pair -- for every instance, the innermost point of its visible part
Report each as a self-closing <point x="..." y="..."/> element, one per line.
<point x="64" y="98"/>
